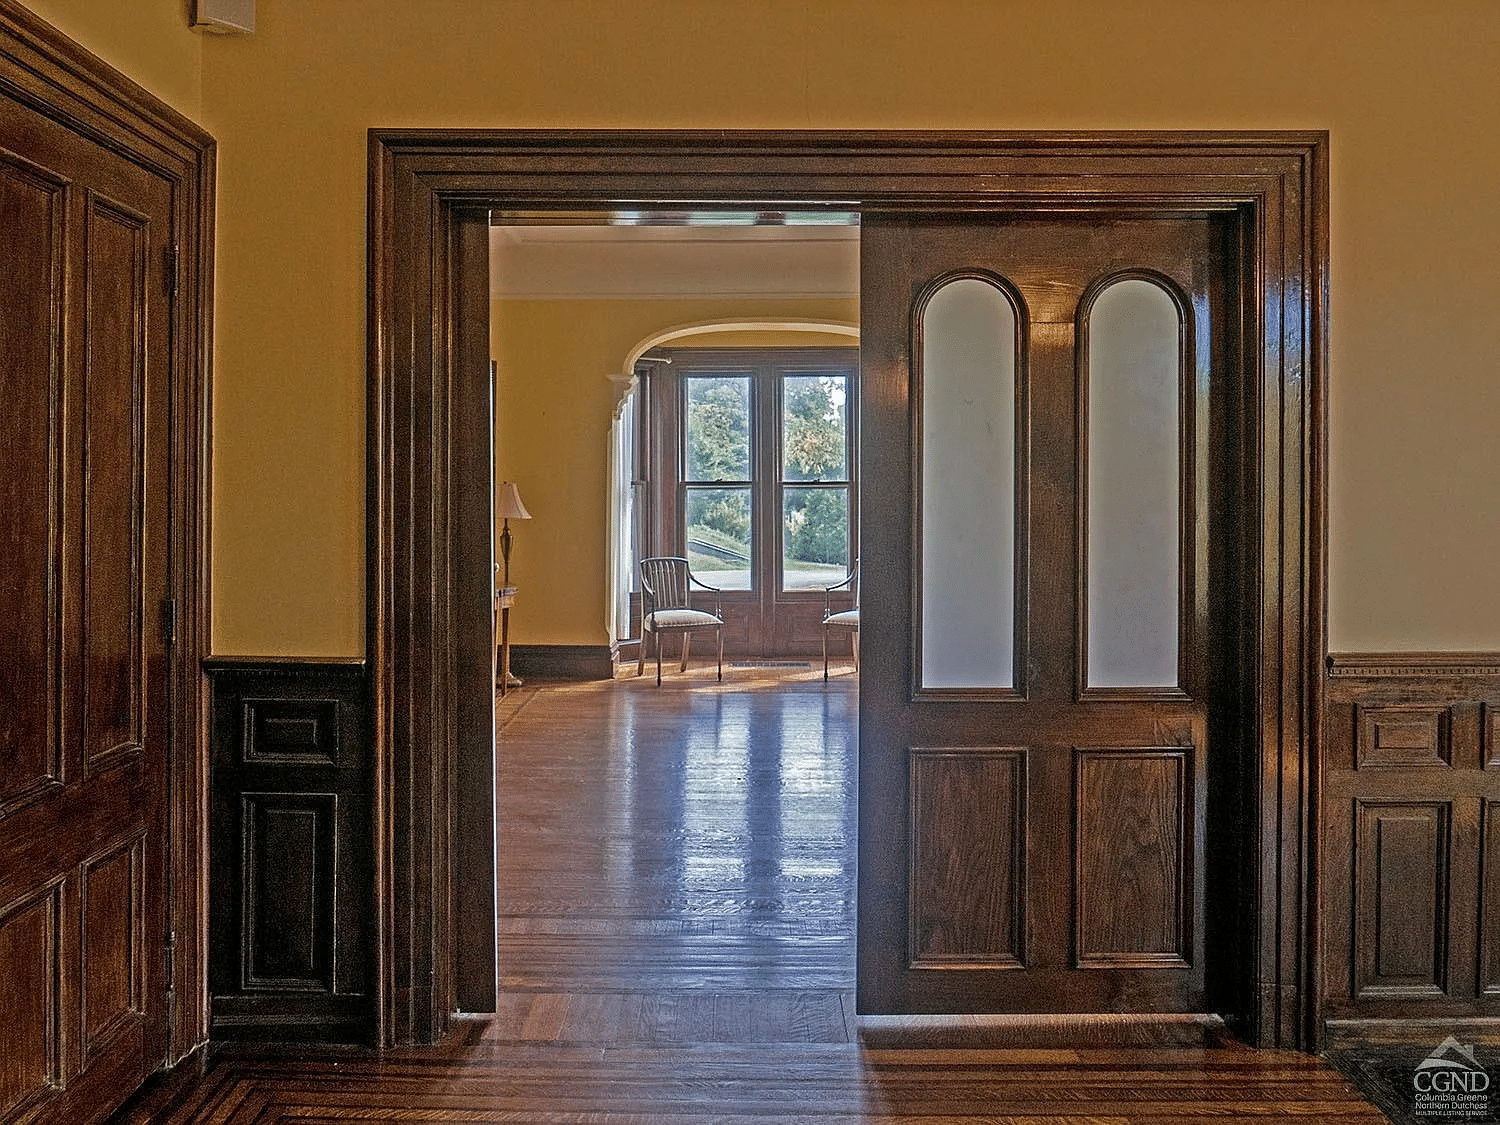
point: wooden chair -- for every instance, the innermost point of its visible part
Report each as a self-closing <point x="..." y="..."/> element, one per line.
<point x="666" y="607"/>
<point x="843" y="619"/>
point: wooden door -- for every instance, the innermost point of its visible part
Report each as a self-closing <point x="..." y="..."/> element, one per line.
<point x="85" y="337"/>
<point x="1052" y="543"/>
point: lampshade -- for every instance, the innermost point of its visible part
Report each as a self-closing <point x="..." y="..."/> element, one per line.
<point x="509" y="506"/>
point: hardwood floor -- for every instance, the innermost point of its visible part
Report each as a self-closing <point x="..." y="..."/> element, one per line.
<point x="676" y="945"/>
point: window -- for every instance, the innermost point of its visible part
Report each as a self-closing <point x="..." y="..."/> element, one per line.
<point x="751" y="476"/>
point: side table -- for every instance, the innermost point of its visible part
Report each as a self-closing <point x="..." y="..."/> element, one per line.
<point x="504" y="597"/>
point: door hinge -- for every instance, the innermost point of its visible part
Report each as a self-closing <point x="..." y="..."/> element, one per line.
<point x="171" y="257"/>
<point x="169" y="621"/>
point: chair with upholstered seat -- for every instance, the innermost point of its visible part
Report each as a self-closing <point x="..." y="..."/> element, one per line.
<point x="666" y="607"/>
<point x="842" y="619"/>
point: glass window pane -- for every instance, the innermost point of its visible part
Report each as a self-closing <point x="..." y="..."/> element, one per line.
<point x="718" y="536"/>
<point x="1134" y="487"/>
<point x="968" y="487"/>
<point x="813" y="433"/>
<point x="814" y="538"/>
<point x="717" y="427"/>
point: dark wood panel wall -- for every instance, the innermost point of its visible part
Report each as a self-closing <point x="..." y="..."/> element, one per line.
<point x="291" y="845"/>
<point x="1410" y="905"/>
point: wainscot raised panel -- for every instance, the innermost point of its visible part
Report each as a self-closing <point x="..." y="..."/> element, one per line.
<point x="1410" y="889"/>
<point x="1489" y="904"/>
<point x="1400" y="893"/>
<point x="291" y="851"/>
<point x="570" y="663"/>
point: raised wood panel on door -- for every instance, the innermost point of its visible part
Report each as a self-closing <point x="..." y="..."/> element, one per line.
<point x="85" y="304"/>
<point x="31" y="999"/>
<point x="1133" y="834"/>
<point x="968" y="875"/>
<point x="114" y="961"/>
<point x="117" y="564"/>
<point x="32" y="210"/>
<point x="1410" y="892"/>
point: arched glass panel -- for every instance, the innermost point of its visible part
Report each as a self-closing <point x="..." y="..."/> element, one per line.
<point x="968" y="488"/>
<point x="1134" y="459"/>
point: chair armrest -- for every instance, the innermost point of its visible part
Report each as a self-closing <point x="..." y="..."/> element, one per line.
<point x="696" y="581"/>
<point x="828" y="593"/>
<point x="693" y="580"/>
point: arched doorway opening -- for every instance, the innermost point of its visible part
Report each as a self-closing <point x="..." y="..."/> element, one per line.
<point x="633" y="490"/>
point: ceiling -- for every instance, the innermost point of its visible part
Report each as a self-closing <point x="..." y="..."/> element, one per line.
<point x="604" y="258"/>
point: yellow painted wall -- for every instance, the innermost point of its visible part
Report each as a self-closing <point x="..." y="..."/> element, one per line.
<point x="554" y="360"/>
<point x="1407" y="88"/>
<point x="149" y="40"/>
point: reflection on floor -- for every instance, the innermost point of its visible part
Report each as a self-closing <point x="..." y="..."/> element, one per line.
<point x="676" y="890"/>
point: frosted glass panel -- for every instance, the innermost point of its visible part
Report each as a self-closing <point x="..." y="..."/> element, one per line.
<point x="1134" y="487"/>
<point x="968" y="488"/>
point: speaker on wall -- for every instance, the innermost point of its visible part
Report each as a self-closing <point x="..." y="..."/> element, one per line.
<point x="225" y="17"/>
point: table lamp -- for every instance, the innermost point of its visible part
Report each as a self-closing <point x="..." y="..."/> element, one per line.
<point x="508" y="507"/>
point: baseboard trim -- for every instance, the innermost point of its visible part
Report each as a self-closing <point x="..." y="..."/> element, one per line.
<point x="562" y="662"/>
<point x="1344" y="1034"/>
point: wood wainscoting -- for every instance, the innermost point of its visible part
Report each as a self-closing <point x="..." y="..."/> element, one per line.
<point x="562" y="662"/>
<point x="1410" y="898"/>
<point x="291" y="851"/>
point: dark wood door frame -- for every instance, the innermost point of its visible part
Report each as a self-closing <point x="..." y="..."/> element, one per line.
<point x="428" y="508"/>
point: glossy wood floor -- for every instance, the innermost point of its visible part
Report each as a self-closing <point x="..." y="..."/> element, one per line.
<point x="676" y="890"/>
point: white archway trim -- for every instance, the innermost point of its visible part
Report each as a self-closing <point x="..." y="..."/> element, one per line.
<point x="624" y="380"/>
<point x="621" y="445"/>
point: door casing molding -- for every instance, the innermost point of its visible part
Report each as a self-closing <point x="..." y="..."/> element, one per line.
<point x="429" y="525"/>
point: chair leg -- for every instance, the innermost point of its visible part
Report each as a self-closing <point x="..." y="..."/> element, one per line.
<point x="825" y="654"/>
<point x="686" y="639"/>
<point x="719" y="632"/>
<point x="658" y="659"/>
<point x="640" y="662"/>
<point x="856" y="650"/>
